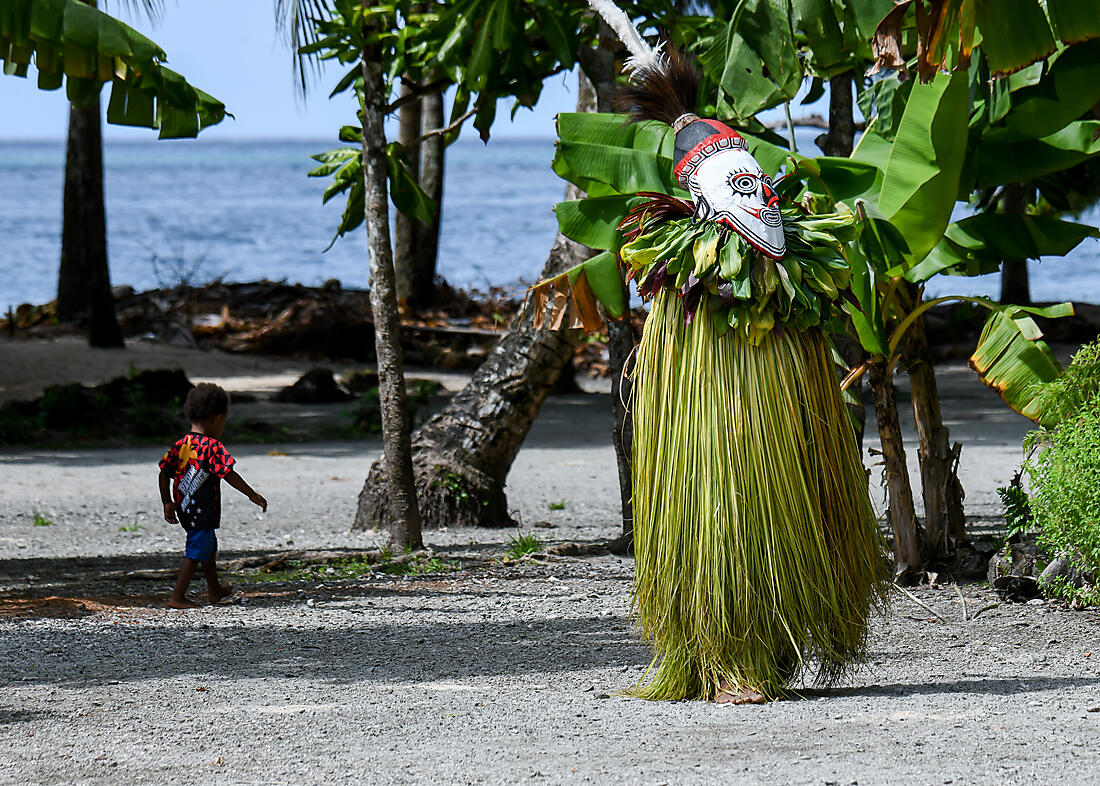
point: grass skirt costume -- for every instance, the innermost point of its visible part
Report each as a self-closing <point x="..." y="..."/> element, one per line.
<point x="758" y="557"/>
<point x="757" y="553"/>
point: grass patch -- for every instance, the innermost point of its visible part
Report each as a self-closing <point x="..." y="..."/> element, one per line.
<point x="557" y="505"/>
<point x="132" y="528"/>
<point x="523" y="544"/>
<point x="41" y="521"/>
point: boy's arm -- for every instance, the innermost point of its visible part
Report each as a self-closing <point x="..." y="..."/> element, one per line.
<point x="237" y="482"/>
<point x="166" y="498"/>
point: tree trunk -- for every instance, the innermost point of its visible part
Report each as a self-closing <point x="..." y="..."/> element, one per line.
<point x="840" y="139"/>
<point x="901" y="514"/>
<point x="422" y="263"/>
<point x="84" y="281"/>
<point x="944" y="520"/>
<point x="463" y="454"/>
<point x="620" y="344"/>
<point x="395" y="482"/>
<point x="408" y="131"/>
<point x="598" y="88"/>
<point x="1015" y="287"/>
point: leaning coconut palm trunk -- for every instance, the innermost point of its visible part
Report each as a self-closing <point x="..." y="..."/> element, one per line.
<point x="756" y="547"/>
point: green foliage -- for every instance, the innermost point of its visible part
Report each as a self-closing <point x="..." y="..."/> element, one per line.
<point x="1064" y="467"/>
<point x="74" y="44"/>
<point x="41" y="521"/>
<point x="1061" y="587"/>
<point x="1017" y="509"/>
<point x="1079" y="384"/>
<point x="134" y="527"/>
<point x="1011" y="358"/>
<point x="523" y="544"/>
<point x="1065" y="484"/>
<point x="560" y="505"/>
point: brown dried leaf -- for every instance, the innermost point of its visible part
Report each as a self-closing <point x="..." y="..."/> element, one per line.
<point x="585" y="304"/>
<point x="542" y="292"/>
<point x="561" y="302"/>
<point x="886" y="45"/>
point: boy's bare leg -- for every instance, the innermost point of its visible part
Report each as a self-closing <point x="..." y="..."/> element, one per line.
<point x="216" y="589"/>
<point x="178" y="598"/>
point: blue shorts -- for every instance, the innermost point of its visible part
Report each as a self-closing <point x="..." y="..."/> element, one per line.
<point x="201" y="544"/>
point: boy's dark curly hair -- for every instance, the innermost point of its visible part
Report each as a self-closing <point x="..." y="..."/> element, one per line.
<point x="205" y="401"/>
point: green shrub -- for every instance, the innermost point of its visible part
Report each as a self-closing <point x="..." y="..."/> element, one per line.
<point x="1074" y="389"/>
<point x="1064" y="463"/>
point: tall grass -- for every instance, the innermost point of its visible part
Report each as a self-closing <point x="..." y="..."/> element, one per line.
<point x="756" y="547"/>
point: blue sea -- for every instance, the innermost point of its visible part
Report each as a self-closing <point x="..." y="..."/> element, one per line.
<point x="243" y="211"/>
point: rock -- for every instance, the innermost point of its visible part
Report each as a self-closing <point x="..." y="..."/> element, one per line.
<point x="1018" y="588"/>
<point x="122" y="291"/>
<point x="1068" y="568"/>
<point x="316" y="386"/>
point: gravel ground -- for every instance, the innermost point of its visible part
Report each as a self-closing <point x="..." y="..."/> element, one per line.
<point x="511" y="674"/>
<point x="496" y="674"/>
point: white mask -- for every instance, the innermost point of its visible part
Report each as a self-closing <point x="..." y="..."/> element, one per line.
<point x="730" y="187"/>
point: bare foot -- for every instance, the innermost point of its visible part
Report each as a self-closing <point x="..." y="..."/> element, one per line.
<point x="181" y="604"/>
<point x="729" y="694"/>
<point x="224" y="591"/>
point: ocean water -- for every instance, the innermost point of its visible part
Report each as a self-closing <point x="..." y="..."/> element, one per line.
<point x="244" y="210"/>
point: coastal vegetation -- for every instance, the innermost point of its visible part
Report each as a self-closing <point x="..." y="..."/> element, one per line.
<point x="971" y="167"/>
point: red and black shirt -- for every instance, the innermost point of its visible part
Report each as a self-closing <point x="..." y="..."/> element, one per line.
<point x="196" y="464"/>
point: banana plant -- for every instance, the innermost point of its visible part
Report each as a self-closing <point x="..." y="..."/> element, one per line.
<point x="74" y="45"/>
<point x="615" y="162"/>
<point x="1012" y="34"/>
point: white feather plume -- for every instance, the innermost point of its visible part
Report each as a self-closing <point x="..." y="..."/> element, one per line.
<point x="641" y="53"/>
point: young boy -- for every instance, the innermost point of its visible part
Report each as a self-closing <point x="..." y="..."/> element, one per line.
<point x="190" y="488"/>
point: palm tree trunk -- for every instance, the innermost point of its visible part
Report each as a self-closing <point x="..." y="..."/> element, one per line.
<point x="397" y="475"/>
<point x="901" y="513"/>
<point x="840" y="138"/>
<point x="408" y="131"/>
<point x="462" y="455"/>
<point x="84" y="281"/>
<point x="1015" y="285"/>
<point x="425" y="251"/>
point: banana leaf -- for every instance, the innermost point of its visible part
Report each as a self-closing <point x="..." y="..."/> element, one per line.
<point x="76" y="45"/>
<point x="594" y="222"/>
<point x="997" y="164"/>
<point x="978" y="244"/>
<point x="921" y="179"/>
<point x="603" y="155"/>
<point x="1074" y="20"/>
<point x="1065" y="94"/>
<point x="1013" y="34"/>
<point x="1013" y="37"/>
<point x="1011" y="358"/>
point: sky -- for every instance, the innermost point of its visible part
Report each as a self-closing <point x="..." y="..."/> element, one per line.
<point x="232" y="50"/>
